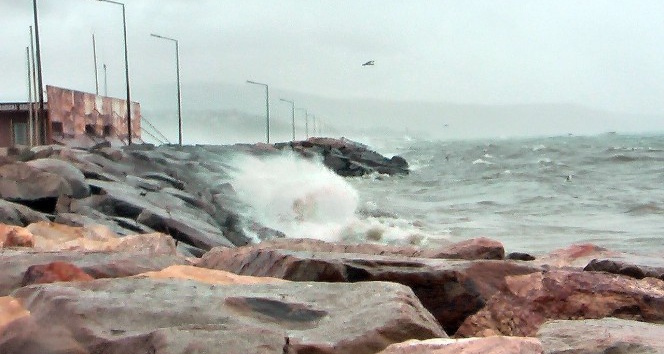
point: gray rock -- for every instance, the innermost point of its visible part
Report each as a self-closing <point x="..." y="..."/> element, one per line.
<point x="182" y="316"/>
<point x="603" y="336"/>
<point x="18" y="214"/>
<point x="637" y="267"/>
<point x="97" y="264"/>
<point x="30" y="186"/>
<point x="66" y="170"/>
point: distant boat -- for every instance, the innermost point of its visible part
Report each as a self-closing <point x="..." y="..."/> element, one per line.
<point x="370" y="62"/>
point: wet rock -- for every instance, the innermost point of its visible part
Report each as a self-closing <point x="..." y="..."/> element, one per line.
<point x="607" y="335"/>
<point x="180" y="227"/>
<point x="18" y="214"/>
<point x="520" y="256"/>
<point x="532" y="299"/>
<point x="14" y="263"/>
<point x="487" y="345"/>
<point x="54" y="272"/>
<point x="637" y="267"/>
<point x="15" y="236"/>
<point x="450" y="289"/>
<point x="347" y="158"/>
<point x="66" y="170"/>
<point x="128" y="316"/>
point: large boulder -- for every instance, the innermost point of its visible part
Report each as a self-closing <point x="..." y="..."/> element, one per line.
<point x="532" y="299"/>
<point x="607" y="335"/>
<point x="486" y="345"/>
<point x="66" y="170"/>
<point x="112" y="264"/>
<point x="574" y="256"/>
<point x="31" y="186"/>
<point x="450" y="289"/>
<point x="181" y="316"/>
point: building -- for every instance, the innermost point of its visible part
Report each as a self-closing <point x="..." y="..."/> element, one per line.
<point x="69" y="115"/>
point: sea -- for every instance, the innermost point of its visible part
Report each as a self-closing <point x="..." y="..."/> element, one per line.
<point x="532" y="194"/>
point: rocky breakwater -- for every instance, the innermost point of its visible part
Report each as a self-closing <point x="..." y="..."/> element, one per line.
<point x="184" y="192"/>
<point x="146" y="250"/>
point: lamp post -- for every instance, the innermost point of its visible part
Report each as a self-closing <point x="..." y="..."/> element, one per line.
<point x="177" y="68"/>
<point x="41" y="116"/>
<point x="292" y="114"/>
<point x="124" y="26"/>
<point x="267" y="108"/>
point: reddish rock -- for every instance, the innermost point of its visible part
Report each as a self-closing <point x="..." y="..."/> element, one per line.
<point x="15" y="236"/>
<point x="13" y="264"/>
<point x="140" y="315"/>
<point x="574" y="256"/>
<point x="532" y="299"/>
<point x="54" y="272"/>
<point x="479" y="248"/>
<point x="10" y="310"/>
<point x="476" y="248"/>
<point x="486" y="345"/>
<point x="209" y="276"/>
<point x="450" y="289"/>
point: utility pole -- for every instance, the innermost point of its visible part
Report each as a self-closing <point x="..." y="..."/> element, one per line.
<point x="41" y="116"/>
<point x="94" y="54"/>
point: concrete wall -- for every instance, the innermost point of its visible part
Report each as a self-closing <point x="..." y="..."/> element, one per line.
<point x="75" y="113"/>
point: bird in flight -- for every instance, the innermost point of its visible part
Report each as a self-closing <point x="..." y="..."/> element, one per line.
<point x="370" y="62"/>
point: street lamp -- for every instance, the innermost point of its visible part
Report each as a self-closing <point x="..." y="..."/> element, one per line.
<point x="124" y="26"/>
<point x="177" y="68"/>
<point x="267" y="108"/>
<point x="292" y="114"/>
<point x="43" y="128"/>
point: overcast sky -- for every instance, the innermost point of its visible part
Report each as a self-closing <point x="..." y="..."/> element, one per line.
<point x="603" y="54"/>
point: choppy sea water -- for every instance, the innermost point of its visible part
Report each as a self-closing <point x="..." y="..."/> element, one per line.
<point x="534" y="195"/>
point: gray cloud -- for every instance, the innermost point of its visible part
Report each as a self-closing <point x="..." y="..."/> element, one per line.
<point x="602" y="54"/>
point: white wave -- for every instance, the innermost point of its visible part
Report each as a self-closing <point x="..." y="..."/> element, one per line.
<point x="482" y="162"/>
<point x="304" y="199"/>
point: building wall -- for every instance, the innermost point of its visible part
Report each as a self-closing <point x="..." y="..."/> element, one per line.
<point x="13" y="118"/>
<point x="75" y="113"/>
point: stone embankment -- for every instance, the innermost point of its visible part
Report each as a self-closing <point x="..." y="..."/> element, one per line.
<point x="145" y="250"/>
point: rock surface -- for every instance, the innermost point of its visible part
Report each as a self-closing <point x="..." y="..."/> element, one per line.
<point x="209" y="276"/>
<point x="487" y="345"/>
<point x="166" y="316"/>
<point x="607" y="335"/>
<point x="112" y="264"/>
<point x="450" y="289"/>
<point x="54" y="272"/>
<point x="637" y="267"/>
<point x="532" y="299"/>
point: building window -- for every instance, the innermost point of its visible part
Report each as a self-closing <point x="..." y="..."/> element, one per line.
<point x="90" y="129"/>
<point x="20" y="133"/>
<point x="57" y="127"/>
<point x="108" y="130"/>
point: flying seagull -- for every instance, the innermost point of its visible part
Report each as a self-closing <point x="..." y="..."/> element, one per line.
<point x="370" y="62"/>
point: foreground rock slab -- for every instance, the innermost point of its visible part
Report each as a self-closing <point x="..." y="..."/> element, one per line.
<point x="450" y="289"/>
<point x="533" y="299"/>
<point x="141" y="315"/>
<point x="488" y="345"/>
<point x="608" y="335"/>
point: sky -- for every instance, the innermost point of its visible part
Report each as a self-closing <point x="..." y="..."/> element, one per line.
<point x="602" y="55"/>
